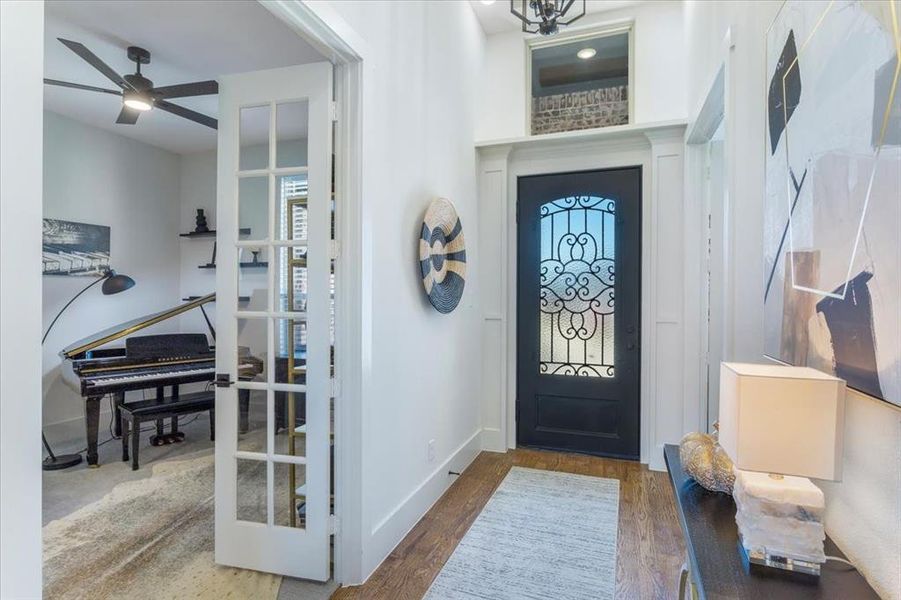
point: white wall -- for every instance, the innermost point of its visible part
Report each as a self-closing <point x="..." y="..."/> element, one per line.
<point x="93" y="176"/>
<point x="421" y="368"/>
<point x="864" y="510"/>
<point x="659" y="87"/>
<point x="21" y="92"/>
<point x="196" y="189"/>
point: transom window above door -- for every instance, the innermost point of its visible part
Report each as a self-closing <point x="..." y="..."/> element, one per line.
<point x="580" y="82"/>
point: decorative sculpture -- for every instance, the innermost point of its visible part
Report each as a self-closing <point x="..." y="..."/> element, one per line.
<point x="706" y="461"/>
<point x="442" y="255"/>
<point x="200" y="221"/>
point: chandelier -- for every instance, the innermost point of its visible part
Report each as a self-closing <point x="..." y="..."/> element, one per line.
<point x="543" y="16"/>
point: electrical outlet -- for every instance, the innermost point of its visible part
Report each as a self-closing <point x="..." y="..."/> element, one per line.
<point x="431" y="451"/>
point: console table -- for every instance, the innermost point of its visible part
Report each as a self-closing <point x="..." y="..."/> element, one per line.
<point x="715" y="565"/>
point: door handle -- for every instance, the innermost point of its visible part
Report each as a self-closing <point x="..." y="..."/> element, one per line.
<point x="630" y="346"/>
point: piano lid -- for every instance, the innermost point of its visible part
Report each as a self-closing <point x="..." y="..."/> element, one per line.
<point x="123" y="329"/>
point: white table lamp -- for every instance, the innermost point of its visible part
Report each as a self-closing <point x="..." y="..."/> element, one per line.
<point x="780" y="425"/>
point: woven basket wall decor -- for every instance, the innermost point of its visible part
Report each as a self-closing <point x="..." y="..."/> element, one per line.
<point x="442" y="255"/>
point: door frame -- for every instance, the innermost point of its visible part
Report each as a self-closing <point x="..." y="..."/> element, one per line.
<point x="716" y="107"/>
<point x="668" y="389"/>
<point x="583" y="156"/>
<point x="324" y="28"/>
<point x="515" y="293"/>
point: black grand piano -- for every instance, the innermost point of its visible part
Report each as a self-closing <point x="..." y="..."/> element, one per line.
<point x="145" y="362"/>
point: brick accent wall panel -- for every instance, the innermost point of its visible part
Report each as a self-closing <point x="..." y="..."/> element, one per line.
<point x="580" y="110"/>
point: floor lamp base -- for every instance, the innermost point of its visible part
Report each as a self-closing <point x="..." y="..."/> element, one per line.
<point x="63" y="461"/>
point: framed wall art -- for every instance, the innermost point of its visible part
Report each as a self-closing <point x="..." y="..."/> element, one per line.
<point x="832" y="213"/>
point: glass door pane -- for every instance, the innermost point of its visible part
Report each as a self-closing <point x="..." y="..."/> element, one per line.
<point x="577" y="302"/>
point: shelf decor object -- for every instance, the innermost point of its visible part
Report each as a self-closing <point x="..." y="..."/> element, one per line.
<point x="200" y="222"/>
<point x="442" y="255"/>
<point x="780" y="425"/>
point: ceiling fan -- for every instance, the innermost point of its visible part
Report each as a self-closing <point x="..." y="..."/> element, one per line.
<point x="137" y="92"/>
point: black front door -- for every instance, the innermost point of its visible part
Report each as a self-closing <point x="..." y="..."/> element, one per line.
<point x="579" y="311"/>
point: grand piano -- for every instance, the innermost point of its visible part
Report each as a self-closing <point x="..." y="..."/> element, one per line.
<point x="145" y="362"/>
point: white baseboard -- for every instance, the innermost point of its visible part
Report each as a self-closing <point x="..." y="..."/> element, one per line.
<point x="493" y="440"/>
<point x="392" y="529"/>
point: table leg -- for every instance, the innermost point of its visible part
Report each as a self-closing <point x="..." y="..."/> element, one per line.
<point x="174" y="420"/>
<point x="92" y="426"/>
<point x="118" y="400"/>
<point x="135" y="442"/>
<point x="160" y="395"/>
<point x="123" y="428"/>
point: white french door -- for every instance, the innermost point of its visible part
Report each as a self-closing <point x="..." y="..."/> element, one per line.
<point x="274" y="321"/>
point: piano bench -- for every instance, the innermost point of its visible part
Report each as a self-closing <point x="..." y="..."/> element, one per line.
<point x="135" y="413"/>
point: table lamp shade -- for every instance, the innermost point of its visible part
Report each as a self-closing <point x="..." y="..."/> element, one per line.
<point x="783" y="420"/>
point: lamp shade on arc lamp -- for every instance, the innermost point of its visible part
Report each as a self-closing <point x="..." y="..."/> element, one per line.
<point x="782" y="420"/>
<point x="116" y="283"/>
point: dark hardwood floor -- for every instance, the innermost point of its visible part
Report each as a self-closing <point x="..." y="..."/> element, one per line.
<point x="650" y="548"/>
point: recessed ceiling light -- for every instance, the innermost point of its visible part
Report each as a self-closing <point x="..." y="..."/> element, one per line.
<point x="586" y="53"/>
<point x="487" y="2"/>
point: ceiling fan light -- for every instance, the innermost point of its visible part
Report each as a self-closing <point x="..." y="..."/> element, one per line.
<point x="137" y="100"/>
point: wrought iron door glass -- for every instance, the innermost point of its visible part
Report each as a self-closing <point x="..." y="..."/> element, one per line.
<point x="576" y="330"/>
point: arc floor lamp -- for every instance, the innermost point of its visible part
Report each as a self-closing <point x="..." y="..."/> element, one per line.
<point x="113" y="283"/>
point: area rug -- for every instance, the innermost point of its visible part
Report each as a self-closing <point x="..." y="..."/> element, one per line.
<point x="147" y="538"/>
<point x="542" y="535"/>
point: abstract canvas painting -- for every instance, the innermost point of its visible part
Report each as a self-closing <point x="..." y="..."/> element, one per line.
<point x="832" y="238"/>
<point x="75" y="248"/>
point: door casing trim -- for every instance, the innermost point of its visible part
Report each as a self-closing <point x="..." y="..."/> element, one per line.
<point x="515" y="293"/>
<point x="656" y="147"/>
<point x="578" y="157"/>
<point x="325" y="29"/>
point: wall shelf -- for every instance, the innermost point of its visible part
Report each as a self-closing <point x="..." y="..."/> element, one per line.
<point x="210" y="233"/>
<point x="192" y="298"/>
<point x="244" y="265"/>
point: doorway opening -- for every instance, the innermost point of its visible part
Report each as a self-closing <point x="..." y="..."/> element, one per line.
<point x="715" y="202"/>
<point x="578" y="311"/>
<point x="707" y="178"/>
<point x="141" y="183"/>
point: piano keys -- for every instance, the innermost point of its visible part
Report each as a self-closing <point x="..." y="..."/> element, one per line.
<point x="148" y="361"/>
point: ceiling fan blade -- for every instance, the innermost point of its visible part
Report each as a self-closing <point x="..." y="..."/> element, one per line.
<point x="128" y="116"/>
<point x="95" y="62"/>
<point x="78" y="86"/>
<point x="183" y="90"/>
<point x="181" y="111"/>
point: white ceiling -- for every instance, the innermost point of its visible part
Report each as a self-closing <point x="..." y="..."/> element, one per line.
<point x="496" y="17"/>
<point x="189" y="40"/>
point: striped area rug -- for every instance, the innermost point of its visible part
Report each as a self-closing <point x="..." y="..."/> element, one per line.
<point x="542" y="535"/>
